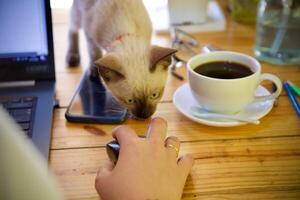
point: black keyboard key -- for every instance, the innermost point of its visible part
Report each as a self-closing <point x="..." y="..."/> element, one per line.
<point x="28" y="99"/>
<point x="16" y="100"/>
<point x="27" y="133"/>
<point x="22" y="118"/>
<point x="4" y="99"/>
<point x="19" y="105"/>
<point x="25" y="126"/>
<point x="21" y="111"/>
<point x="11" y="112"/>
<point x="4" y="105"/>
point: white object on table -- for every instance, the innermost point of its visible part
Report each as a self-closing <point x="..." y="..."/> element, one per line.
<point x="202" y="113"/>
<point x="158" y="11"/>
<point x="189" y="11"/>
<point x="184" y="100"/>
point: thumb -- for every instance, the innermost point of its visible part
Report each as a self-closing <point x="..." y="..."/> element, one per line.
<point x="105" y="169"/>
<point x="103" y="172"/>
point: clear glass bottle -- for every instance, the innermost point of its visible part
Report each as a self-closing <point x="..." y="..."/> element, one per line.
<point x="278" y="31"/>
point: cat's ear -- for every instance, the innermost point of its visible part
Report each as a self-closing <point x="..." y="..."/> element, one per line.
<point x="160" y="56"/>
<point x="110" y="68"/>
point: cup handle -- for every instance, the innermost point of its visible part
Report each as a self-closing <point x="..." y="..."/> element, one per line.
<point x="274" y="79"/>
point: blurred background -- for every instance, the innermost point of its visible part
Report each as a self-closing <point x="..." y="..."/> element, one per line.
<point x="276" y="23"/>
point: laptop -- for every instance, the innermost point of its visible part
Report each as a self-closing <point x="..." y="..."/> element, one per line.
<point x="27" y="74"/>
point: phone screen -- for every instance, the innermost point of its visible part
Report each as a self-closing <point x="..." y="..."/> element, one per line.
<point x="92" y="103"/>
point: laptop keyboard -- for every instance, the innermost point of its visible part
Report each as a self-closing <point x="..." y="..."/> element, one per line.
<point x="22" y="109"/>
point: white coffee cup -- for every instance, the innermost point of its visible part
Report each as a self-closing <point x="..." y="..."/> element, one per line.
<point x="228" y="95"/>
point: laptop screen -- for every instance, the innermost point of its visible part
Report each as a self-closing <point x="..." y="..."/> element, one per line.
<point x="25" y="40"/>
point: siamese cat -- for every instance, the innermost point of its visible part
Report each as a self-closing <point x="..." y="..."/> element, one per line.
<point x="132" y="69"/>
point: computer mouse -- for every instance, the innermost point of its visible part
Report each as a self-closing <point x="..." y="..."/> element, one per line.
<point x="112" y="150"/>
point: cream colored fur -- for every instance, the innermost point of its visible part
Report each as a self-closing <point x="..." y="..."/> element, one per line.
<point x="123" y="29"/>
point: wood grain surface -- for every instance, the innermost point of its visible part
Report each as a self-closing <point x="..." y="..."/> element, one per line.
<point x="246" y="162"/>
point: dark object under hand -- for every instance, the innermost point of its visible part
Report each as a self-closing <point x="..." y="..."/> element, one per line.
<point x="112" y="150"/>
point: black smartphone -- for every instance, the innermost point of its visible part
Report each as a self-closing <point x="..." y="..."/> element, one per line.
<point x="93" y="103"/>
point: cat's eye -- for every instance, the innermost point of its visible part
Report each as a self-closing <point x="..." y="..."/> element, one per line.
<point x="155" y="95"/>
<point x="131" y="101"/>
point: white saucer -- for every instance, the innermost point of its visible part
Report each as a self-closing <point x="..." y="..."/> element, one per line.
<point x="184" y="100"/>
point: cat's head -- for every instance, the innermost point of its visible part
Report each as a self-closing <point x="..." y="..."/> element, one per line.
<point x="137" y="78"/>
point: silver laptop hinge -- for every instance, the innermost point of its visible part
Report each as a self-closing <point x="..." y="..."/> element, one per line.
<point x="17" y="84"/>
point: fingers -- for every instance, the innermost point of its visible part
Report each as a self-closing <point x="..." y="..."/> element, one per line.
<point x="186" y="163"/>
<point x="157" y="129"/>
<point x="105" y="169"/>
<point x="173" y="144"/>
<point x="103" y="174"/>
<point x="123" y="134"/>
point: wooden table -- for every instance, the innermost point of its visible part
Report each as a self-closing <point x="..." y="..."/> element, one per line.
<point x="246" y="162"/>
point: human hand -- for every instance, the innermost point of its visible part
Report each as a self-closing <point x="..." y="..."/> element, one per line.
<point x="147" y="168"/>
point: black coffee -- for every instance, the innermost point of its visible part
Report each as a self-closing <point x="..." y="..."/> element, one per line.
<point x="223" y="70"/>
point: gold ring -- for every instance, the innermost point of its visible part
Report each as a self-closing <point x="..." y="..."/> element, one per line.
<point x="173" y="147"/>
